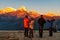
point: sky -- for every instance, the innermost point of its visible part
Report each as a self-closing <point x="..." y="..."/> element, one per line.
<point x="41" y="6"/>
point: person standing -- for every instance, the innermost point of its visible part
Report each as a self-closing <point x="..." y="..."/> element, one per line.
<point x="26" y="26"/>
<point x="51" y="28"/>
<point x="41" y="22"/>
<point x="31" y="27"/>
<point x="55" y="28"/>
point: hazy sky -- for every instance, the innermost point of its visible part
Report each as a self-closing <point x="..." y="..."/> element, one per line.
<point x="42" y="6"/>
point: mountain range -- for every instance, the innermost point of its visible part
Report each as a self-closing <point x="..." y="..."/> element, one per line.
<point x="12" y="19"/>
<point x="22" y="11"/>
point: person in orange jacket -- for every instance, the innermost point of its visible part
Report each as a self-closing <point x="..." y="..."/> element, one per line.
<point x="26" y="26"/>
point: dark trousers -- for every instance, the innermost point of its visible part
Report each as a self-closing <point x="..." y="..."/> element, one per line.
<point x="26" y="32"/>
<point x="30" y="32"/>
<point x="40" y="31"/>
<point x="50" y="31"/>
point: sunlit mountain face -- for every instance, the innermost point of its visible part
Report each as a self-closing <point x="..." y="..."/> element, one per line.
<point x="51" y="14"/>
<point x="22" y="11"/>
<point x="22" y="8"/>
<point x="34" y="14"/>
<point x="7" y="10"/>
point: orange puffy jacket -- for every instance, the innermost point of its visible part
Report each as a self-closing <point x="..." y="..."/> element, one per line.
<point x="26" y="22"/>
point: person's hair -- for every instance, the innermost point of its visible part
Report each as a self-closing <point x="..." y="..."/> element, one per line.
<point x="32" y="19"/>
<point x="41" y="15"/>
<point x="26" y="16"/>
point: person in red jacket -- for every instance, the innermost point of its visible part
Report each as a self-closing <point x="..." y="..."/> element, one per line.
<point x="26" y="26"/>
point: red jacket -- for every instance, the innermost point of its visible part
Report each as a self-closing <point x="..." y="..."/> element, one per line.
<point x="26" y="22"/>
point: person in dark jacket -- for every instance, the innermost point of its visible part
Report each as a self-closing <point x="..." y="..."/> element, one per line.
<point x="41" y="22"/>
<point x="51" y="27"/>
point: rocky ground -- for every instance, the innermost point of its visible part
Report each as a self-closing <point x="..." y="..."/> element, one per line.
<point x="19" y="35"/>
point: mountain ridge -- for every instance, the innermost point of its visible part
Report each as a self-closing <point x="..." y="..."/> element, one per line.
<point x="22" y="11"/>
